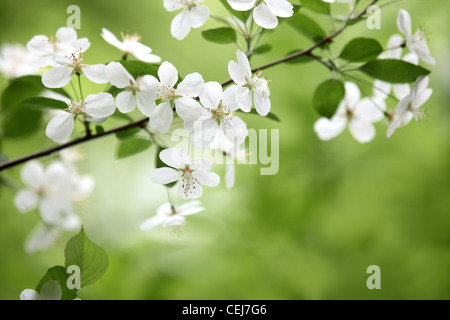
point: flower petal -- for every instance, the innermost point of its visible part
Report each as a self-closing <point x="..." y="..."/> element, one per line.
<point x="29" y="294"/>
<point x="57" y="77"/>
<point x="174" y="157"/>
<point x="125" y="101"/>
<point x="198" y="15"/>
<point x="207" y="178"/>
<point x="118" y="75"/>
<point x="100" y="105"/>
<point x="404" y="22"/>
<point x="242" y="5"/>
<point x="280" y="8"/>
<point x="191" y="86"/>
<point x="164" y="175"/>
<point x="327" y="129"/>
<point x="96" y="73"/>
<point x="168" y="74"/>
<point x="60" y="127"/>
<point x="264" y="17"/>
<point x="211" y="95"/>
<point x="32" y="174"/>
<point x="152" y="222"/>
<point x="26" y="200"/>
<point x="180" y="25"/>
<point x="162" y="117"/>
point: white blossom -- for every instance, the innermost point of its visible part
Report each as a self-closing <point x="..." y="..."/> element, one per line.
<point x="217" y="116"/>
<point x="15" y="61"/>
<point x="249" y="88"/>
<point x="191" y="175"/>
<point x="266" y="12"/>
<point x="47" y="50"/>
<point x="410" y="106"/>
<point x="95" y="105"/>
<point x="180" y="98"/>
<point x="61" y="75"/>
<point x="168" y="215"/>
<point x="359" y="115"/>
<point x="131" y="44"/>
<point x="416" y="43"/>
<point x="138" y="91"/>
<point x="193" y="16"/>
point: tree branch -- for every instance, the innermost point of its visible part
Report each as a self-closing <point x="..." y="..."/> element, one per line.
<point x="143" y="123"/>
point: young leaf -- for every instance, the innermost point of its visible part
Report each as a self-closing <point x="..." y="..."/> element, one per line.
<point x="302" y="59"/>
<point x="220" y="35"/>
<point x="138" y="68"/>
<point x="90" y="258"/>
<point x="328" y="96"/>
<point x="130" y="147"/>
<point x="58" y="273"/>
<point x="308" y="27"/>
<point x="262" y="49"/>
<point x="22" y="88"/>
<point x="317" y="6"/>
<point x="361" y="50"/>
<point x="394" y="71"/>
<point x="127" y="133"/>
<point x="21" y="122"/>
<point x="43" y="103"/>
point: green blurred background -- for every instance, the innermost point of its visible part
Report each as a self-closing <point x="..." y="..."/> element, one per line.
<point x="309" y="232"/>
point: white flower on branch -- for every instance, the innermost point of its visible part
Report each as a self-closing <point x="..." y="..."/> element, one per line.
<point x="54" y="190"/>
<point x="249" y="88"/>
<point x="172" y="216"/>
<point x="416" y="43"/>
<point x="410" y="106"/>
<point x="51" y="290"/>
<point x="359" y="115"/>
<point x="193" y="16"/>
<point x="15" y="61"/>
<point x="217" y="116"/>
<point x="180" y="98"/>
<point x="191" y="175"/>
<point x="131" y="44"/>
<point x="59" y="76"/>
<point x="95" y="105"/>
<point x="266" y="12"/>
<point x="138" y="91"/>
<point x="47" y="50"/>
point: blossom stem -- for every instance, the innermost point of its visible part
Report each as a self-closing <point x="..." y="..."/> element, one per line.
<point x="74" y="91"/>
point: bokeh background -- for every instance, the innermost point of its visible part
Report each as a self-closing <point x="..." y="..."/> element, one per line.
<point x="309" y="232"/>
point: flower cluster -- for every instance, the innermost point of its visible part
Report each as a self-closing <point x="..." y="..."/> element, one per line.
<point x="360" y="115"/>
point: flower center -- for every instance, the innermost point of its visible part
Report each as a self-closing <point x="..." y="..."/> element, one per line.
<point x="131" y="37"/>
<point x="136" y="86"/>
<point x="76" y="107"/>
<point x="419" y="113"/>
<point x="77" y="61"/>
<point x="53" y="42"/>
<point x="188" y="3"/>
<point x="165" y="93"/>
<point x="256" y="82"/>
<point x="221" y="113"/>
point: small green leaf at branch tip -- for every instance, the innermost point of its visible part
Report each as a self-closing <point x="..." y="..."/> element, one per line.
<point x="394" y="71"/>
<point x="89" y="257"/>
<point x="262" y="49"/>
<point x="221" y="35"/>
<point x="132" y="146"/>
<point x="328" y="96"/>
<point x="58" y="273"/>
<point x="138" y="68"/>
<point x="308" y="27"/>
<point x="44" y="103"/>
<point x="300" y="59"/>
<point x="99" y="129"/>
<point x="361" y="50"/>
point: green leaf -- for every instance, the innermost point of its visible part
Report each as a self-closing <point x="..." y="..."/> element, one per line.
<point x="241" y="15"/>
<point x="394" y="71"/>
<point x="90" y="258"/>
<point x="138" y="68"/>
<point x="59" y="274"/>
<point x="308" y="27"/>
<point x="130" y="147"/>
<point x="23" y="88"/>
<point x="127" y="133"/>
<point x="361" y="50"/>
<point x="270" y="115"/>
<point x="262" y="49"/>
<point x="317" y="6"/>
<point x="328" y="96"/>
<point x="21" y="122"/>
<point x="99" y="129"/>
<point x="44" y="103"/>
<point x="220" y="35"/>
